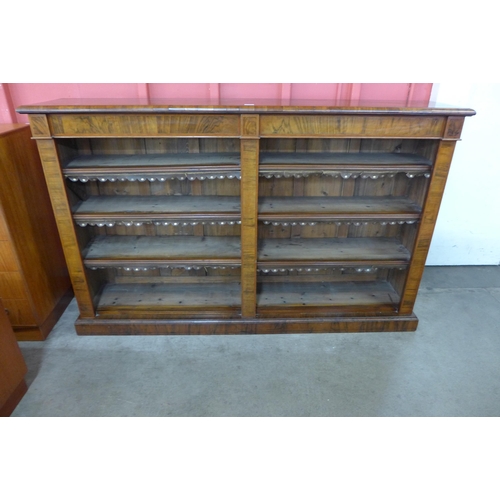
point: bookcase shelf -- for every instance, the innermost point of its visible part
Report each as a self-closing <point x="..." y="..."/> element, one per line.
<point x="153" y="167"/>
<point x="153" y="251"/>
<point x="278" y="218"/>
<point x="175" y="210"/>
<point x="151" y="300"/>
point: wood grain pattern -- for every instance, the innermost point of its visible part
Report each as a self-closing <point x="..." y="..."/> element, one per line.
<point x="194" y="326"/>
<point x="325" y="298"/>
<point x="12" y="286"/>
<point x="337" y="208"/>
<point x="20" y="312"/>
<point x="8" y="257"/>
<point x="4" y="230"/>
<point x="124" y="125"/>
<point x="12" y="367"/>
<point x="453" y="128"/>
<point x="33" y="275"/>
<point x="174" y="300"/>
<point x="62" y="212"/>
<point x="39" y="126"/>
<point x="249" y="204"/>
<point x="154" y="250"/>
<point x="120" y="161"/>
<point x="343" y="251"/>
<point x="158" y="208"/>
<point x="347" y="160"/>
<point x="250" y="126"/>
<point x="351" y="126"/>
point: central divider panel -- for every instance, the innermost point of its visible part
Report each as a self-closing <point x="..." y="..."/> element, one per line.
<point x="249" y="208"/>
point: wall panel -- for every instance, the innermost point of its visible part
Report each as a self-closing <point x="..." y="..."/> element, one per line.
<point x="13" y="95"/>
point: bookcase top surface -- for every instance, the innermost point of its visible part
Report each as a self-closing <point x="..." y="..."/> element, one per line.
<point x="248" y="105"/>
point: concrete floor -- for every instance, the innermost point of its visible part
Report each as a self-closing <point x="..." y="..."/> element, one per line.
<point x="449" y="367"/>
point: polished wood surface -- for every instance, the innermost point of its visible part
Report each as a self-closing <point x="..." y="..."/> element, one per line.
<point x="62" y="212"/>
<point x="351" y="126"/>
<point x="226" y="216"/>
<point x="126" y="125"/>
<point x="34" y="281"/>
<point x="160" y="105"/>
<point x="229" y="326"/>
<point x="426" y="228"/>
<point x="12" y="367"/>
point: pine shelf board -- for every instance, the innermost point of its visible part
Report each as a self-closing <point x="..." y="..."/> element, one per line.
<point x="157" y="250"/>
<point x="158" y="208"/>
<point x="162" y="300"/>
<point x="338" y="251"/>
<point x="155" y="160"/>
<point x="286" y="208"/>
<point x="345" y="160"/>
<point x="338" y="207"/>
<point x="342" y="295"/>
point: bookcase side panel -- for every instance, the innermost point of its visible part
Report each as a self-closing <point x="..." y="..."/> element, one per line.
<point x="427" y="224"/>
<point x="62" y="212"/>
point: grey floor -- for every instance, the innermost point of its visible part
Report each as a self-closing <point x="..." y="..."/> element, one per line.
<point x="449" y="367"/>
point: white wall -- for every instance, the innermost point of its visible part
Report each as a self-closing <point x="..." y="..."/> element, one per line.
<point x="468" y="227"/>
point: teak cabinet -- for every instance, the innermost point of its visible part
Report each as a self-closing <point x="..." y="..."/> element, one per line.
<point x="12" y="367"/>
<point x="251" y="217"/>
<point x="34" y="283"/>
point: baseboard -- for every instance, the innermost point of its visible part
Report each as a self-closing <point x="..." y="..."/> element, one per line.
<point x="100" y="326"/>
<point x="41" y="332"/>
<point x="10" y="405"/>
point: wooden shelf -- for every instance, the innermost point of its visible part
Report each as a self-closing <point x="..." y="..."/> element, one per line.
<point x="157" y="208"/>
<point x="118" y="161"/>
<point x="153" y="167"/>
<point x="345" y="160"/>
<point x="332" y="251"/>
<point x="300" y="297"/>
<point x="156" y="300"/>
<point x="227" y="208"/>
<point x="152" y="251"/>
<point x="323" y="208"/>
<point x="344" y="165"/>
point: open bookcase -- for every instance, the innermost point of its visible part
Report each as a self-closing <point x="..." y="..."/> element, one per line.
<point x="221" y="217"/>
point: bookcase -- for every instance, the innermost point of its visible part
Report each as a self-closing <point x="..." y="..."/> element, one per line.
<point x="226" y="217"/>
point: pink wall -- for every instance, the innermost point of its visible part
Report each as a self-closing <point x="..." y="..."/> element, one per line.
<point x="13" y="95"/>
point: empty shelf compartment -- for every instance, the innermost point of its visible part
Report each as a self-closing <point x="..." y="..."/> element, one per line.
<point x="119" y="251"/>
<point x="164" y="300"/>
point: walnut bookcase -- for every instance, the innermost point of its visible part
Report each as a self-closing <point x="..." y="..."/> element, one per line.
<point x="226" y="217"/>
